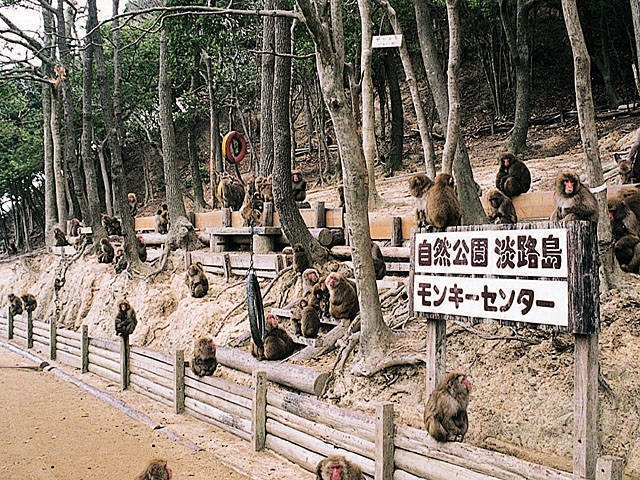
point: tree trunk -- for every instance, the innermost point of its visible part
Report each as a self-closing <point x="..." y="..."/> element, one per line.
<point x="453" y="124"/>
<point x="589" y="136"/>
<point x="58" y="169"/>
<point x="108" y="196"/>
<point x="472" y="211"/>
<point x="266" y="93"/>
<point x="635" y="14"/>
<point x="394" y="162"/>
<point x="196" y="178"/>
<point x="50" y="211"/>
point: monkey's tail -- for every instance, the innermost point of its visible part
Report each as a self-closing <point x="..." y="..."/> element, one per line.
<point x="256" y="309"/>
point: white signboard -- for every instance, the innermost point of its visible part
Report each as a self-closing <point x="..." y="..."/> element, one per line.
<point x="386" y="41"/>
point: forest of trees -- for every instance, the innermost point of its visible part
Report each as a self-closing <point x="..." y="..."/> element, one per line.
<point x="93" y="110"/>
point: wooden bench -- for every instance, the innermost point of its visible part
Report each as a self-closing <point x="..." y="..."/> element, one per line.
<point x="265" y="265"/>
<point x="223" y="238"/>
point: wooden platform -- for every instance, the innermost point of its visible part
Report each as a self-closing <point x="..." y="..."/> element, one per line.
<point x="224" y="238"/>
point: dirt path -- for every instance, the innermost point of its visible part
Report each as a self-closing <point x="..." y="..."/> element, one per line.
<point x="52" y="429"/>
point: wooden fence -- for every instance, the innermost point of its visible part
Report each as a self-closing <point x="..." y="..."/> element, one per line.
<point x="295" y="425"/>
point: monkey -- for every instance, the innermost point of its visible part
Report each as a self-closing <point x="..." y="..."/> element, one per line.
<point x="299" y="186"/>
<point x="133" y="203"/>
<point x="502" y="209"/>
<point x="343" y="300"/>
<point x="379" y="266"/>
<point x="340" y="267"/>
<point x="629" y="164"/>
<point x="309" y="278"/>
<point x="60" y="238"/>
<point x="266" y="189"/>
<point x="204" y="361"/>
<point x="278" y="344"/>
<point x="126" y="320"/>
<point x="29" y="301"/>
<point x="161" y="221"/>
<point x="156" y="470"/>
<point x="623" y="220"/>
<point x="419" y="185"/>
<point x="574" y="201"/>
<point x="15" y="304"/>
<point x="513" y="176"/>
<point x="443" y="207"/>
<point x="309" y="319"/>
<point x="74" y="227"/>
<point x="631" y="197"/>
<point x="300" y="260"/>
<point x="337" y="467"/>
<point x="258" y="182"/>
<point x="106" y="252"/>
<point x="111" y="224"/>
<point x="251" y="209"/>
<point x="445" y="415"/>
<point x="13" y="250"/>
<point x="627" y="252"/>
<point x="232" y="192"/>
<point x="341" y="196"/>
<point x="121" y="261"/>
<point x="197" y="280"/>
<point x="320" y="298"/>
<point x="141" y="248"/>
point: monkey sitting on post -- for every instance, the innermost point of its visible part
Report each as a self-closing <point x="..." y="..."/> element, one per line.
<point x="156" y="470"/>
<point x="513" y="176"/>
<point x="443" y="207"/>
<point x="197" y="280"/>
<point x="126" y="320"/>
<point x="133" y="203"/>
<point x="277" y="344"/>
<point x="502" y="209"/>
<point x="419" y="185"/>
<point x="15" y="304"/>
<point x="60" y="238"/>
<point x="106" y="252"/>
<point x="204" y="361"/>
<point x="445" y="415"/>
<point x="573" y="200"/>
<point x="29" y="301"/>
<point x="337" y="467"/>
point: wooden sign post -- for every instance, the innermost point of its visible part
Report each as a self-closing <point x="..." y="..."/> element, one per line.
<point x="543" y="273"/>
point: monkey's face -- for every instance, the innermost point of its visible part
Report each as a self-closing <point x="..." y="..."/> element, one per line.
<point x="505" y="162"/>
<point x="336" y="470"/>
<point x="124" y="306"/>
<point x="270" y="323"/>
<point x="569" y="186"/>
<point x="495" y="203"/>
<point x="466" y="383"/>
<point x="296" y="177"/>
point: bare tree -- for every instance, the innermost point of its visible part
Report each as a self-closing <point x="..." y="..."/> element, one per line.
<point x="453" y="124"/>
<point x="266" y="93"/>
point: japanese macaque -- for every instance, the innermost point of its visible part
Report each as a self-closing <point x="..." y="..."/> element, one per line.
<point x="29" y="301"/>
<point x="627" y="252"/>
<point x="623" y="220"/>
<point x="197" y="280"/>
<point x="111" y="224"/>
<point x="299" y="186"/>
<point x="231" y="192"/>
<point x="15" y="304"/>
<point x="574" y="201"/>
<point x="419" y="185"/>
<point x="266" y="189"/>
<point x="74" y="227"/>
<point x="513" y="176"/>
<point x="443" y="207"/>
<point x="629" y="164"/>
<point x="300" y="260"/>
<point x="60" y="238"/>
<point x="310" y="277"/>
<point x="277" y="342"/>
<point x="126" y="320"/>
<point x="133" y="203"/>
<point x="161" y="221"/>
<point x="379" y="266"/>
<point x="105" y="251"/>
<point x="502" y="209"/>
<point x="121" y="261"/>
<point x="445" y="415"/>
<point x="343" y="300"/>
<point x="156" y="470"/>
<point x="204" y="361"/>
<point x="337" y="467"/>
<point x="320" y="298"/>
<point x="341" y="196"/>
<point x="631" y="197"/>
<point x="251" y="209"/>
<point x="141" y="248"/>
<point x="309" y="319"/>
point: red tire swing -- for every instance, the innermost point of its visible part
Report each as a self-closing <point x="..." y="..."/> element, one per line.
<point x="228" y="147"/>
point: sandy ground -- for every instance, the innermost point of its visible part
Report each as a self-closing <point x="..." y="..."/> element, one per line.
<point x="53" y="429"/>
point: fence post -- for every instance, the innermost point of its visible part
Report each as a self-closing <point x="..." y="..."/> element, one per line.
<point x="53" y="334"/>
<point x="396" y="232"/>
<point x="178" y="366"/>
<point x="259" y="410"/>
<point x="385" y="429"/>
<point x="609" y="467"/>
<point x="84" y="349"/>
<point x="320" y="215"/>
<point x="9" y="323"/>
<point x="124" y="361"/>
<point x="29" y="330"/>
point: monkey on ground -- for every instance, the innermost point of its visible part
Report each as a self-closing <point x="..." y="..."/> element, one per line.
<point x="15" y="304"/>
<point x="445" y="415"/>
<point x="74" y="227"/>
<point x="502" y="209"/>
<point x="443" y="207"/>
<point x="310" y="277"/>
<point x="337" y="467"/>
<point x="308" y="324"/>
<point x="623" y="220"/>
<point x="161" y="221"/>
<point x="141" y="248"/>
<point x="379" y="266"/>
<point x="121" y="261"/>
<point x="299" y="186"/>
<point x="204" y="361"/>
<point x="513" y="176"/>
<point x="300" y="260"/>
<point x="111" y="224"/>
<point x="133" y="203"/>
<point x="343" y="300"/>
<point x="629" y="165"/>
<point x="60" y="238"/>
<point x="627" y="252"/>
<point x="419" y="185"/>
<point x="197" y="280"/>
<point x="126" y="320"/>
<point x="106" y="252"/>
<point x="573" y="200"/>
<point x="231" y="192"/>
<point x="278" y="345"/>
<point x="156" y="470"/>
<point x="29" y="301"/>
